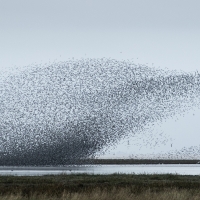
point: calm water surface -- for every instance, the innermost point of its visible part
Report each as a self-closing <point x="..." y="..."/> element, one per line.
<point x="182" y="169"/>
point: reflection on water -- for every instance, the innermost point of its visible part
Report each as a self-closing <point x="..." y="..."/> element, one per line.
<point x="183" y="169"/>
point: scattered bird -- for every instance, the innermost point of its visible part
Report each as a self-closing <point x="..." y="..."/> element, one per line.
<point x="66" y="112"/>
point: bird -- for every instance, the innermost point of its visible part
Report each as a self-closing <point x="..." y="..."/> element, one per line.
<point x="65" y="112"/>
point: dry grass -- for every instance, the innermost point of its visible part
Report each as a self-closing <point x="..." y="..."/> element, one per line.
<point x="115" y="194"/>
<point x="100" y="187"/>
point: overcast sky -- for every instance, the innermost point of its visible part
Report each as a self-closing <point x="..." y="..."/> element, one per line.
<point x="158" y="33"/>
<point x="166" y="33"/>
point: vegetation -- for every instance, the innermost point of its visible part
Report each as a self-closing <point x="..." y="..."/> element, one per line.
<point x="122" y="194"/>
<point x="100" y="187"/>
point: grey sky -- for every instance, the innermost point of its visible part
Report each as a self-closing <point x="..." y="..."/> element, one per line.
<point x="54" y="15"/>
<point x="166" y="33"/>
<point x="158" y="33"/>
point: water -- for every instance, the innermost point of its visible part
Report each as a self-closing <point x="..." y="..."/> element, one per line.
<point x="182" y="169"/>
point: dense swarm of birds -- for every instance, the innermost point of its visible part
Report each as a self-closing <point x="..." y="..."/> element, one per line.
<point x="65" y="112"/>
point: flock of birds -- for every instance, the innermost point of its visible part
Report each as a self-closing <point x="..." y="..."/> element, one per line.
<point x="66" y="112"/>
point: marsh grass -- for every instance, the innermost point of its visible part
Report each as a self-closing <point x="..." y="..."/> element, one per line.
<point x="114" y="194"/>
<point x="100" y="187"/>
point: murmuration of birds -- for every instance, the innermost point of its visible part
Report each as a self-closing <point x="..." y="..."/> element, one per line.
<point x="66" y="112"/>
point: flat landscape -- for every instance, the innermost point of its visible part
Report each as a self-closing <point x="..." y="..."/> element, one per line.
<point x="139" y="161"/>
<point x="86" y="187"/>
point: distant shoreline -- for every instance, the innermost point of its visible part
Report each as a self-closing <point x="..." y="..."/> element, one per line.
<point x="109" y="162"/>
<point x="139" y="161"/>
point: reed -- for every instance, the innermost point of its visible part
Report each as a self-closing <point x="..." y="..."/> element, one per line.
<point x="100" y="187"/>
<point x="114" y="194"/>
